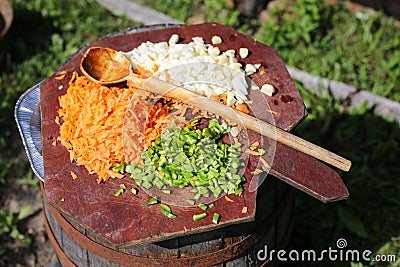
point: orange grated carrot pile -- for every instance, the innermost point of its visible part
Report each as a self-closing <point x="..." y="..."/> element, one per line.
<point x="156" y="121"/>
<point x="92" y="117"/>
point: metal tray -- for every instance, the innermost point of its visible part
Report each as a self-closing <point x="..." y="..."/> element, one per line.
<point x="28" y="118"/>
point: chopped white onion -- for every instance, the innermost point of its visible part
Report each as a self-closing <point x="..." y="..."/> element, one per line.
<point x="268" y="89"/>
<point x="250" y="69"/>
<point x="234" y="131"/>
<point x="216" y="40"/>
<point x="173" y="39"/>
<point x="197" y="66"/>
<point x="243" y="52"/>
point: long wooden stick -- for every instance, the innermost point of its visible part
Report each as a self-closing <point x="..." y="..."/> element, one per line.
<point x="157" y="86"/>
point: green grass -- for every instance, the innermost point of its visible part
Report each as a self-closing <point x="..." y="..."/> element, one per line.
<point x="45" y="33"/>
<point x="224" y="12"/>
<point x="370" y="218"/>
<point x="177" y="9"/>
<point x="329" y="41"/>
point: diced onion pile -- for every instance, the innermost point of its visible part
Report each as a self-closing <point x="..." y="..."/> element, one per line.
<point x="197" y="66"/>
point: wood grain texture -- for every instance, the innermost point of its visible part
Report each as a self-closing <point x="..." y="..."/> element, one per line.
<point x="271" y="227"/>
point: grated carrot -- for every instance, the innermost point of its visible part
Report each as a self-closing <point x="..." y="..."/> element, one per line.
<point x="157" y="119"/>
<point x="92" y="118"/>
<point x="61" y="75"/>
<point x="243" y="108"/>
<point x="255" y="144"/>
<point x="228" y="199"/>
<point x="142" y="71"/>
<point x="251" y="152"/>
<point x="272" y="111"/>
<point x="224" y="98"/>
<point x="256" y="171"/>
<point x="214" y="97"/>
<point x="74" y="176"/>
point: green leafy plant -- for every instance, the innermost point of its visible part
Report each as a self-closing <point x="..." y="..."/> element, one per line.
<point x="30" y="180"/>
<point x="331" y="42"/>
<point x="4" y="168"/>
<point x="177" y="9"/>
<point x="357" y="134"/>
<point x="44" y="34"/>
<point x="9" y="224"/>
<point x="221" y="11"/>
<point x="297" y="24"/>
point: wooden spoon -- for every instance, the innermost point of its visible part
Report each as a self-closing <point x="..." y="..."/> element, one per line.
<point x="108" y="66"/>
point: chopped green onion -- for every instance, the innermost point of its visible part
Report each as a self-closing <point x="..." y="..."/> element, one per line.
<point x="134" y="191"/>
<point x="147" y="185"/>
<point x="261" y="151"/>
<point x="165" y="207"/>
<point x="119" y="192"/>
<point x="168" y="214"/>
<point x="120" y="168"/>
<point x="215" y="218"/>
<point x="190" y="201"/>
<point x="158" y="183"/>
<point x="166" y="191"/>
<point x="191" y="157"/>
<point x="212" y="206"/>
<point x="236" y="145"/>
<point x="152" y="201"/>
<point x="202" y="206"/>
<point x="238" y="190"/>
<point x="197" y="217"/>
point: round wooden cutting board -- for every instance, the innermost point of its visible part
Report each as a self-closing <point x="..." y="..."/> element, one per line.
<point x="118" y="221"/>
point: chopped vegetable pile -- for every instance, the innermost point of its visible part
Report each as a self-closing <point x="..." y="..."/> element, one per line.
<point x="200" y="67"/>
<point x="91" y="119"/>
<point x="191" y="157"/>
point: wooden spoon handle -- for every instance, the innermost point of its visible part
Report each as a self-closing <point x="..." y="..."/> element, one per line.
<point x="157" y="86"/>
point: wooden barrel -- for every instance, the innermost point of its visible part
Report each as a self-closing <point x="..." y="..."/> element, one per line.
<point x="234" y="245"/>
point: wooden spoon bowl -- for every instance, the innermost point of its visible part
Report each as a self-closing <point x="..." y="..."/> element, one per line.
<point x="6" y="17"/>
<point x="105" y="65"/>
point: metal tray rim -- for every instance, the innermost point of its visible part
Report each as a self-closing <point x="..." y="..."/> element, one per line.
<point x="27" y="116"/>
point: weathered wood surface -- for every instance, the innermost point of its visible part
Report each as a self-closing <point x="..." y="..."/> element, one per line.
<point x="124" y="221"/>
<point x="272" y="227"/>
